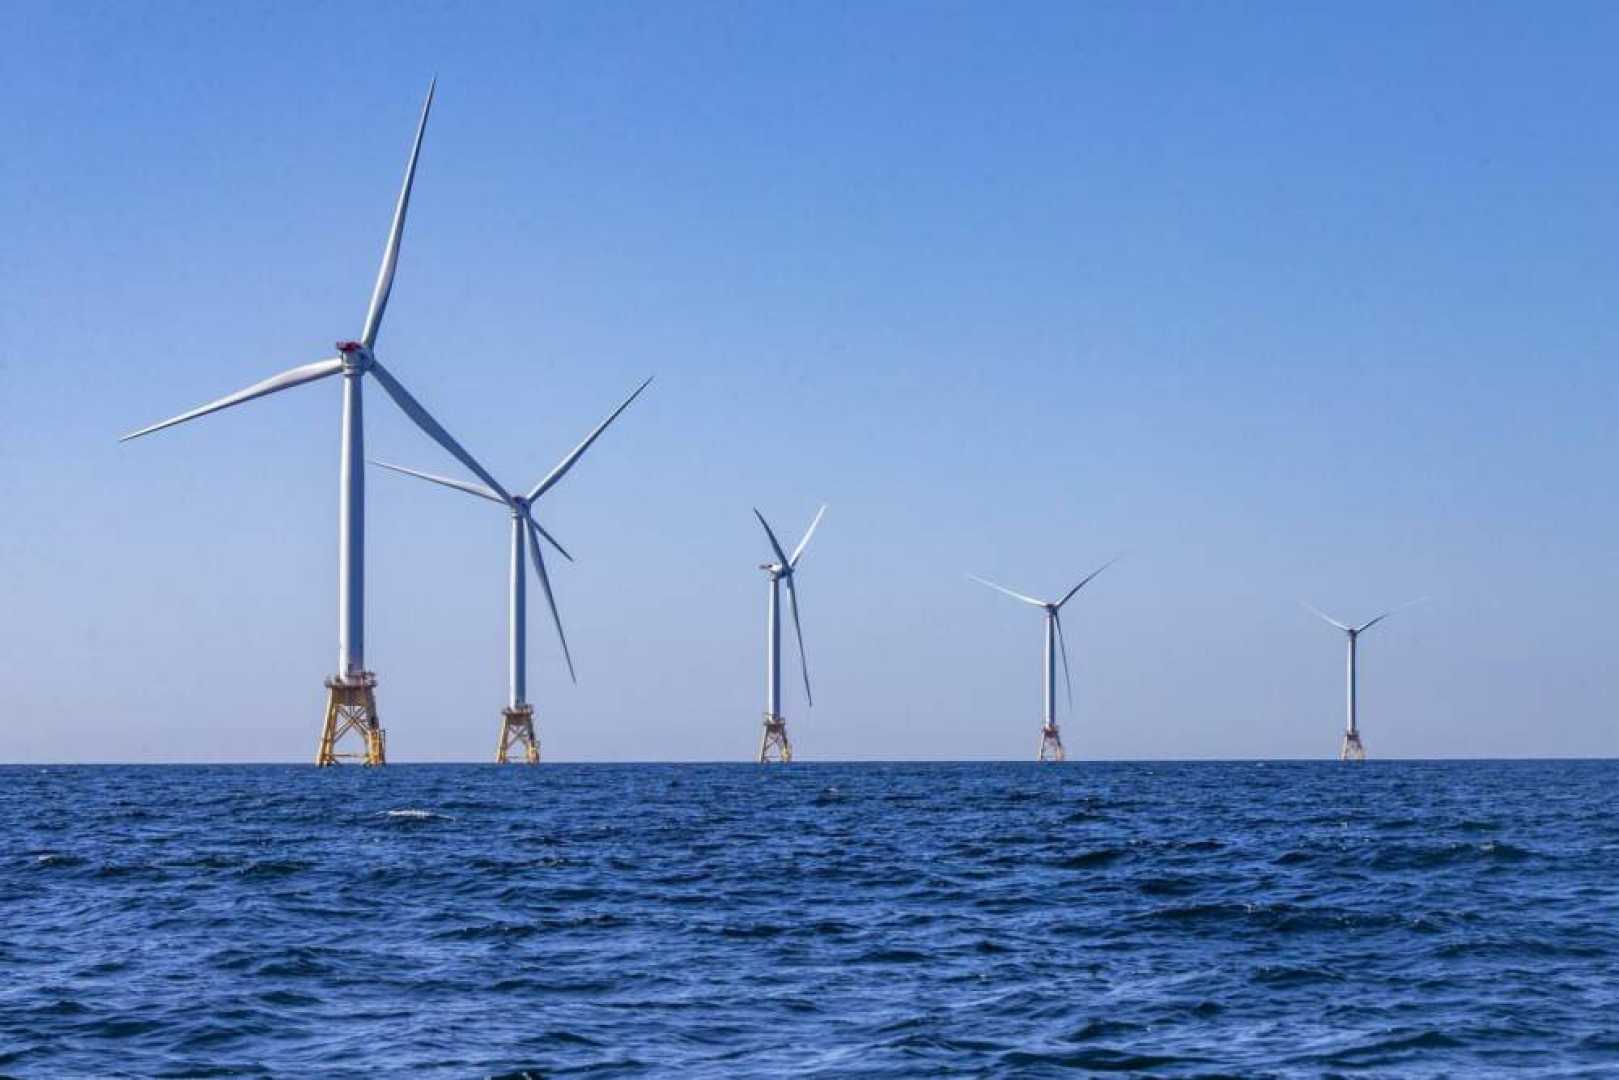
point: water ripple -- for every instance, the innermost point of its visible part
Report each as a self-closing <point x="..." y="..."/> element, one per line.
<point x="1195" y="920"/>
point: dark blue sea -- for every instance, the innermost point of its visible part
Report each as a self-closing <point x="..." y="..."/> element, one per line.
<point x="1277" y="919"/>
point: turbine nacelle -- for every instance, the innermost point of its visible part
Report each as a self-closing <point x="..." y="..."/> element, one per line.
<point x="356" y="357"/>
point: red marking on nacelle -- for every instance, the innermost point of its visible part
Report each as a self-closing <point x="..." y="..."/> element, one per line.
<point x="349" y="346"/>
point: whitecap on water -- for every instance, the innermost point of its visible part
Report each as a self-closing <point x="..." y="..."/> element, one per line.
<point x="417" y="815"/>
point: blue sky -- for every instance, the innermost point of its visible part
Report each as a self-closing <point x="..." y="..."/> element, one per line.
<point x="1285" y="301"/>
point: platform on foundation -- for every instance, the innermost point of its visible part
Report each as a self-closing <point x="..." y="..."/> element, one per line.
<point x="351" y="706"/>
<point x="1352" y="749"/>
<point x="1051" y="744"/>
<point x="773" y="744"/>
<point x="517" y="730"/>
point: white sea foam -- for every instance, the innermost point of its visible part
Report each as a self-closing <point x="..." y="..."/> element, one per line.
<point x="416" y="815"/>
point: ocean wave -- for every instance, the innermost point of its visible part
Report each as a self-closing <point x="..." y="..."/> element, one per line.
<point x="416" y="815"/>
<point x="885" y="921"/>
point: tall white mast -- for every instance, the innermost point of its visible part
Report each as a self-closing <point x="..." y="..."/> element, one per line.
<point x="773" y="648"/>
<point x="517" y="621"/>
<point x="1351" y="731"/>
<point x="351" y="532"/>
<point x="1051" y="668"/>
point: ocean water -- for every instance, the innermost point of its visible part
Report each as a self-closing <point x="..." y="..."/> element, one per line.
<point x="1242" y="919"/>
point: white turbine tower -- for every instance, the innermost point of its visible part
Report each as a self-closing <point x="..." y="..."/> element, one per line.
<point x="1352" y="749"/>
<point x="351" y="700"/>
<point x="517" y="719"/>
<point x="1050" y="741"/>
<point x="773" y="744"/>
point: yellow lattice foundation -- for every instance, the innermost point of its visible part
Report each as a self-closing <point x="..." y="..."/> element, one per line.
<point x="1352" y="749"/>
<point x="773" y="744"/>
<point x="517" y="729"/>
<point x="351" y="706"/>
<point x="1051" y="745"/>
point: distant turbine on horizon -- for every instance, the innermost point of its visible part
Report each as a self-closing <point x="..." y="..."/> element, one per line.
<point x="351" y="701"/>
<point x="1352" y="748"/>
<point x="774" y="744"/>
<point x="517" y="724"/>
<point x="1051" y="748"/>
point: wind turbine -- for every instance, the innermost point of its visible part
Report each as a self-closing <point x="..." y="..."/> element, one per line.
<point x="773" y="744"/>
<point x="517" y="723"/>
<point x="1050" y="741"/>
<point x="351" y="700"/>
<point x="1352" y="749"/>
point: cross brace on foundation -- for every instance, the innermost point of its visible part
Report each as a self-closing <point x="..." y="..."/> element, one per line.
<point x="517" y="729"/>
<point x="1051" y="744"/>
<point x="1352" y="749"/>
<point x="351" y="705"/>
<point x="773" y="744"/>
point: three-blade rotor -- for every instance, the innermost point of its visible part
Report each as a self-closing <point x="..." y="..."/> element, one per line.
<point x="1356" y="631"/>
<point x="785" y="569"/>
<point x="355" y="358"/>
<point x="522" y="507"/>
<point x="1053" y="610"/>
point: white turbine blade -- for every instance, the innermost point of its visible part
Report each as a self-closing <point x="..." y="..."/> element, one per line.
<point x="1086" y="582"/>
<point x="424" y="420"/>
<point x="804" y="543"/>
<point x="1393" y="611"/>
<point x="1328" y="618"/>
<point x="1008" y="592"/>
<point x="1062" y="643"/>
<point x="460" y="485"/>
<point x="294" y="377"/>
<point x="774" y="543"/>
<point x="390" y="254"/>
<point x="550" y="599"/>
<point x="803" y="662"/>
<point x="549" y="539"/>
<point x="566" y="463"/>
